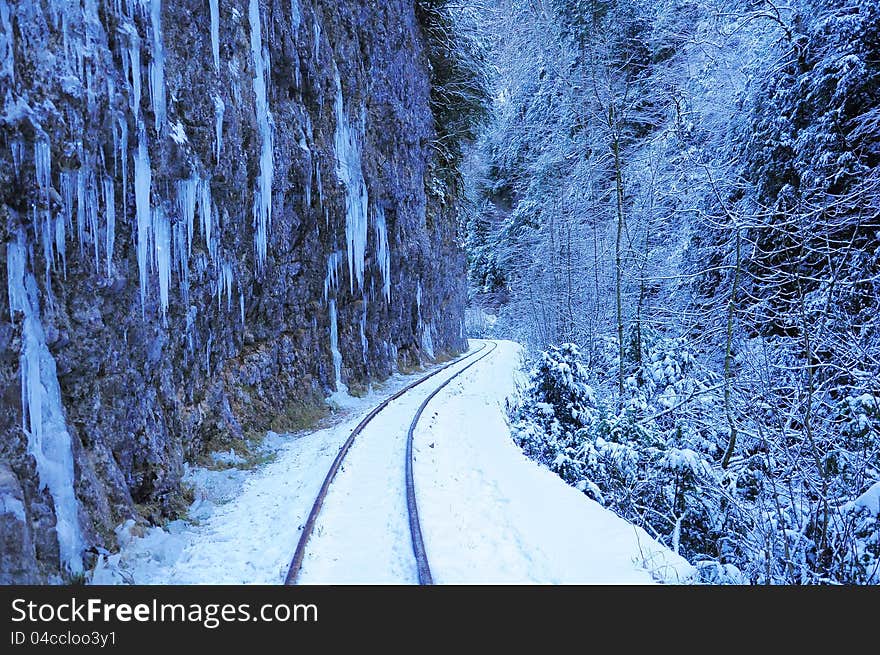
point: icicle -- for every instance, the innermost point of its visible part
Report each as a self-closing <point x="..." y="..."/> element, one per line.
<point x="17" y="150"/>
<point x="110" y="215"/>
<point x="43" y="168"/>
<point x="295" y="23"/>
<point x="126" y="61"/>
<point x="383" y="252"/>
<point x="134" y="55"/>
<point x="7" y="59"/>
<point x="111" y="96"/>
<point x="43" y="225"/>
<point x="142" y="182"/>
<point x="205" y="213"/>
<point x="348" y="170"/>
<point x="307" y="194"/>
<point x="295" y="15"/>
<point x="241" y="304"/>
<point x="331" y="281"/>
<point x="42" y="412"/>
<point x="187" y="196"/>
<point x="224" y="284"/>
<point x="157" y="66"/>
<point x="219" y="108"/>
<point x="215" y="239"/>
<point x="364" y="343"/>
<point x="65" y="38"/>
<point x="115" y="130"/>
<point x="68" y="188"/>
<point x="393" y="357"/>
<point x="428" y="341"/>
<point x="215" y="33"/>
<point x="180" y="250"/>
<point x="78" y="47"/>
<point x="91" y="196"/>
<point x="190" y="323"/>
<point x="263" y="195"/>
<point x="61" y="243"/>
<point x="419" y="304"/>
<point x="317" y="40"/>
<point x="162" y="241"/>
<point x="334" y="346"/>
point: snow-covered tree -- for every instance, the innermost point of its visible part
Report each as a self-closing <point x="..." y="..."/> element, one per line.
<point x="689" y="192"/>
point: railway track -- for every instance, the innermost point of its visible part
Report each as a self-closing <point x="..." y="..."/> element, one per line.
<point x="424" y="571"/>
<point x="412" y="509"/>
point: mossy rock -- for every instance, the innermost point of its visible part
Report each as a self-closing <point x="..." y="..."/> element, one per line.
<point x="357" y="389"/>
<point x="300" y="414"/>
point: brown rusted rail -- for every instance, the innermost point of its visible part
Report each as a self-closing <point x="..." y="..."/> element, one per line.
<point x="299" y="553"/>
<point x="412" y="509"/>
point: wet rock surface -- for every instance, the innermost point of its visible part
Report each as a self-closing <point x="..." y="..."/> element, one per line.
<point x="241" y="347"/>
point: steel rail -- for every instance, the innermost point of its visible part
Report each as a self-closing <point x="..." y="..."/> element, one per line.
<point x="415" y="530"/>
<point x="299" y="554"/>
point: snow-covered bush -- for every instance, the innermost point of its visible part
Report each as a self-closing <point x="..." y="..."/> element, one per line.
<point x="855" y="534"/>
<point x="736" y="253"/>
<point x="860" y="560"/>
<point x="557" y="404"/>
<point x="654" y="474"/>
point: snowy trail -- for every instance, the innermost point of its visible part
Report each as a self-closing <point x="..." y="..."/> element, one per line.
<point x="244" y="526"/>
<point x="488" y="514"/>
<point x="362" y="533"/>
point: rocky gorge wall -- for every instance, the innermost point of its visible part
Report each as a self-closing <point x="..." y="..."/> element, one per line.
<point x="213" y="214"/>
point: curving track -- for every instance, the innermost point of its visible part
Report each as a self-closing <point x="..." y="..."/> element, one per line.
<point x="424" y="574"/>
<point x="412" y="509"/>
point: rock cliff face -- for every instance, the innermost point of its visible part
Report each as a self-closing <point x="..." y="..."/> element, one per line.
<point x="213" y="215"/>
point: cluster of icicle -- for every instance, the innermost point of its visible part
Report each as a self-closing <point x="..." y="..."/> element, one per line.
<point x="164" y="231"/>
<point x="347" y="142"/>
<point x="101" y="188"/>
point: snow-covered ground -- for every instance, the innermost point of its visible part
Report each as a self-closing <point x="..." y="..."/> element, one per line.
<point x="488" y="514"/>
<point x="244" y="525"/>
<point x="362" y="533"/>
